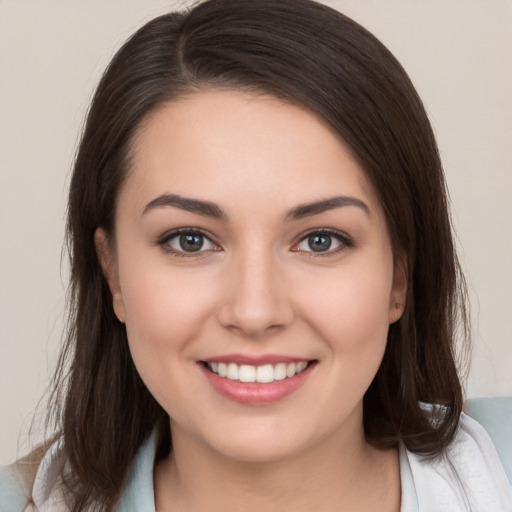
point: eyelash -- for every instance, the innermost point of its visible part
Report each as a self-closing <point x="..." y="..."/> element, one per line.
<point x="343" y="240"/>
<point x="164" y="240"/>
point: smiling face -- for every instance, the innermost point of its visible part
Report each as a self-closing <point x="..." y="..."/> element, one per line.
<point x="254" y="271"/>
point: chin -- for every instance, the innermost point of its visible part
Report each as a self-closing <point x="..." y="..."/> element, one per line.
<point x="258" y="451"/>
<point x="259" y="443"/>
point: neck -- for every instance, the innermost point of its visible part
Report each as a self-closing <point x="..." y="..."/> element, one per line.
<point x="340" y="473"/>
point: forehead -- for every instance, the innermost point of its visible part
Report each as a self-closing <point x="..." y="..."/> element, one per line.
<point x="229" y="146"/>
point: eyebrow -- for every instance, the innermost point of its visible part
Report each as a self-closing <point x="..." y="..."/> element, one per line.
<point x="209" y="209"/>
<point x="205" y="208"/>
<point x="317" y="207"/>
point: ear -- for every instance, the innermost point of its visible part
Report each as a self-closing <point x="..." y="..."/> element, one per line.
<point x="107" y="259"/>
<point x="398" y="295"/>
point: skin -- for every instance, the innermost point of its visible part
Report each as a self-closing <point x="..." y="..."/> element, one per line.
<point x="257" y="288"/>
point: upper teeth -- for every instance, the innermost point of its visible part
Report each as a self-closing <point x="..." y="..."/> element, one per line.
<point x="263" y="374"/>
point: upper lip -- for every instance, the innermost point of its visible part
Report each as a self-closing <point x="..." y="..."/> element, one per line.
<point x="258" y="360"/>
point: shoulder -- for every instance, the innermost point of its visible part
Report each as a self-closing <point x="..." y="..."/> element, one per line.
<point x="468" y="475"/>
<point x="15" y="488"/>
<point x="495" y="415"/>
<point x="35" y="483"/>
<point x="17" y="480"/>
<point x="24" y="483"/>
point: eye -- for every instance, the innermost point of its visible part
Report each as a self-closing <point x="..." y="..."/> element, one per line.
<point x="326" y="242"/>
<point x="187" y="242"/>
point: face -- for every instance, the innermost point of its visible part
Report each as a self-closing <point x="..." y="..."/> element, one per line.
<point x="254" y="272"/>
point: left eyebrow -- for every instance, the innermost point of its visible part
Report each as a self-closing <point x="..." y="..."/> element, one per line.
<point x="205" y="208"/>
<point x="310" y="209"/>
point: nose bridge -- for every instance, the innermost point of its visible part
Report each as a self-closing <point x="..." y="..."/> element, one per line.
<point x="256" y="300"/>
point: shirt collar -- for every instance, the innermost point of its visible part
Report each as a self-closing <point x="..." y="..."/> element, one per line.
<point x="409" y="501"/>
<point x="138" y="493"/>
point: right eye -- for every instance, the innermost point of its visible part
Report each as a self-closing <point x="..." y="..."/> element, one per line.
<point x="187" y="243"/>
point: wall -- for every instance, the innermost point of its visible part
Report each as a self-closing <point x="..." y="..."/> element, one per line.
<point x="51" y="56"/>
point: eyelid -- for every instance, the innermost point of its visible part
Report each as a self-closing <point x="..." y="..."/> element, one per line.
<point x="344" y="240"/>
<point x="163" y="242"/>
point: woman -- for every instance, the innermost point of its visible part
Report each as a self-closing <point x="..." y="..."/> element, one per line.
<point x="264" y="284"/>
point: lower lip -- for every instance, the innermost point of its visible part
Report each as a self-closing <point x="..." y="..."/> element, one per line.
<point x="255" y="393"/>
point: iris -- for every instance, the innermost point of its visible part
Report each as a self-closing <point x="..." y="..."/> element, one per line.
<point x="191" y="242"/>
<point x="319" y="243"/>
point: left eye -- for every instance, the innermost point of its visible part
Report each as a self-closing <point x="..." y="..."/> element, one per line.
<point x="189" y="242"/>
<point x="322" y="243"/>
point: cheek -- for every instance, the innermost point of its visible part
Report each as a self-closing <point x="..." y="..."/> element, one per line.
<point x="165" y="315"/>
<point x="165" y="307"/>
<point x="351" y="309"/>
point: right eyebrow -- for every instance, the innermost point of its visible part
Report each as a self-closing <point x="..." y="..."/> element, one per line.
<point x="315" y="208"/>
<point x="205" y="208"/>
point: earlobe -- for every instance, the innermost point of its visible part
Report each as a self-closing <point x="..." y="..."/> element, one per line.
<point x="399" y="289"/>
<point x="108" y="264"/>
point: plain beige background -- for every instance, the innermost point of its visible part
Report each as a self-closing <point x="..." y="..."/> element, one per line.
<point x="51" y="56"/>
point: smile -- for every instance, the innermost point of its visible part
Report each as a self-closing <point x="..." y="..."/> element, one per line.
<point x="257" y="381"/>
<point x="263" y="374"/>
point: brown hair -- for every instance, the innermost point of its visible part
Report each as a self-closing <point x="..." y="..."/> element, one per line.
<point x="311" y="55"/>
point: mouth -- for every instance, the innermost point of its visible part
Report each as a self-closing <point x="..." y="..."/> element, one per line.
<point x="262" y="374"/>
<point x="263" y="382"/>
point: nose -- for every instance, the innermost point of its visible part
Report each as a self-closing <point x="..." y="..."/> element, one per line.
<point x="256" y="300"/>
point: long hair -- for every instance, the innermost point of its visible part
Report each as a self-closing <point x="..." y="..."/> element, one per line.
<point x="310" y="55"/>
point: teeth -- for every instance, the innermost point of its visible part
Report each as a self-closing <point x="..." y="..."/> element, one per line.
<point x="280" y="371"/>
<point x="222" y="370"/>
<point x="232" y="371"/>
<point x="263" y="374"/>
<point x="247" y="373"/>
<point x="301" y="366"/>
